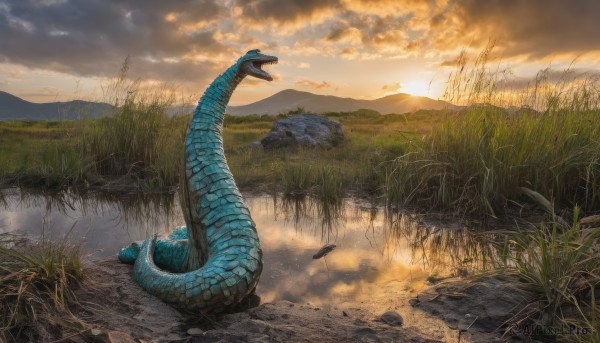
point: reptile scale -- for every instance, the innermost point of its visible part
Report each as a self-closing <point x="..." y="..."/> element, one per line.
<point x="216" y="260"/>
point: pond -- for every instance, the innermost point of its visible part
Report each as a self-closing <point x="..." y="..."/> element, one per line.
<point x="375" y="249"/>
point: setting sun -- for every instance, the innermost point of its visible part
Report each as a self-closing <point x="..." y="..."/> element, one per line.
<point x="417" y="88"/>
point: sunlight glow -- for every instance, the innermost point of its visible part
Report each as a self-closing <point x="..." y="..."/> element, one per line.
<point x="416" y="88"/>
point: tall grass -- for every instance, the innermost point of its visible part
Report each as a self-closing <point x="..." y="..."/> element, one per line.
<point x="139" y="140"/>
<point x="559" y="264"/>
<point x="39" y="153"/>
<point x="475" y="162"/>
<point x="36" y="290"/>
<point x="297" y="179"/>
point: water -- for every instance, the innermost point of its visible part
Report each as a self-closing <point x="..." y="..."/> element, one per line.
<point x="377" y="252"/>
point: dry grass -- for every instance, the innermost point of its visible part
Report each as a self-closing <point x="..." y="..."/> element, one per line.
<point x="36" y="290"/>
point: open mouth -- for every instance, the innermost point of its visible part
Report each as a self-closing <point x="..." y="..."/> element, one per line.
<point x="255" y="68"/>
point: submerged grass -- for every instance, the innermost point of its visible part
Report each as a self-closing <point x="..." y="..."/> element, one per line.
<point x="36" y="290"/>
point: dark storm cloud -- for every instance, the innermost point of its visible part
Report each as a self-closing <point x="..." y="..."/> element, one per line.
<point x="373" y="29"/>
<point x="284" y="11"/>
<point x="92" y="37"/>
<point x="535" y="28"/>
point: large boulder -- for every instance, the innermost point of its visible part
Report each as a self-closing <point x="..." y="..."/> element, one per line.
<point x="306" y="130"/>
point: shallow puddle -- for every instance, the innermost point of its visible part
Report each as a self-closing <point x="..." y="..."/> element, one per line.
<point x="379" y="257"/>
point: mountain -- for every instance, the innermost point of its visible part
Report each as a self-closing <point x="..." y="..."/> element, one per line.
<point x="15" y="108"/>
<point x="289" y="100"/>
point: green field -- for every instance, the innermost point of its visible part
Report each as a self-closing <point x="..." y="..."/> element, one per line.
<point x="473" y="162"/>
<point x="480" y="162"/>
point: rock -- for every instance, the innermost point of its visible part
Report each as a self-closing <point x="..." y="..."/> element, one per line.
<point x="254" y="145"/>
<point x="467" y="322"/>
<point x="119" y="337"/>
<point x="483" y="304"/>
<point x="252" y="326"/>
<point x="307" y="130"/>
<point x="392" y="318"/>
<point x="195" y="332"/>
<point x="96" y="332"/>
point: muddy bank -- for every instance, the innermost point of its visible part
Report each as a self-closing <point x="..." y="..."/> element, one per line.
<point x="120" y="311"/>
<point x="477" y="307"/>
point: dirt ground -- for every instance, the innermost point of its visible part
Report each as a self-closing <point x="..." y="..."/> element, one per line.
<point x="122" y="312"/>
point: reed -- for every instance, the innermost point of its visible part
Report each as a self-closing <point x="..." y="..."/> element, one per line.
<point x="476" y="161"/>
<point x="139" y="139"/>
<point x="329" y="184"/>
<point x="472" y="161"/>
<point x="296" y="178"/>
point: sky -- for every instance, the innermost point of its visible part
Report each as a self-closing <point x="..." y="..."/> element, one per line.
<point x="58" y="50"/>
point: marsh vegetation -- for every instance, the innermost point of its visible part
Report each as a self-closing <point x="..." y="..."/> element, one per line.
<point x="36" y="289"/>
<point x="528" y="153"/>
<point x="473" y="162"/>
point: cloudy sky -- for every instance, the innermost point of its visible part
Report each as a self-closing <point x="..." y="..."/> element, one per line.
<point x="63" y="49"/>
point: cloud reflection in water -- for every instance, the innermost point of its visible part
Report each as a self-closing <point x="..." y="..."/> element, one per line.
<point x="375" y="249"/>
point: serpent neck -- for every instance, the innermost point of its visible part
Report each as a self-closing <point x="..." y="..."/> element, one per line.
<point x="204" y="148"/>
<point x="216" y="97"/>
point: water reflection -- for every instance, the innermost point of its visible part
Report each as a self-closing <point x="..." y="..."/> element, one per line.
<point x="324" y="218"/>
<point x="375" y="250"/>
<point x="103" y="223"/>
<point x="441" y="247"/>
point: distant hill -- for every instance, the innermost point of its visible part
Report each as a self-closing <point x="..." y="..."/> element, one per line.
<point x="289" y="100"/>
<point x="15" y="108"/>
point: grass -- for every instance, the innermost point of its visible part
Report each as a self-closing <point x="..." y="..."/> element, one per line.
<point x="472" y="162"/>
<point x="481" y="161"/>
<point x="36" y="290"/>
<point x="559" y="264"/>
<point x="478" y="162"/>
<point x="139" y="140"/>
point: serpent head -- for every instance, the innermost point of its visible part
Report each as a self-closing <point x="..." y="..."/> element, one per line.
<point x="252" y="62"/>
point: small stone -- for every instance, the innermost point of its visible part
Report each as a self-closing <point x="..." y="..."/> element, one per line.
<point x="195" y="332"/>
<point x="362" y="331"/>
<point x="392" y="318"/>
<point x="119" y="337"/>
<point x="96" y="332"/>
<point x="345" y="313"/>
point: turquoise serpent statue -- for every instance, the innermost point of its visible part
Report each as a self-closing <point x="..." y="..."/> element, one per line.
<point x="214" y="262"/>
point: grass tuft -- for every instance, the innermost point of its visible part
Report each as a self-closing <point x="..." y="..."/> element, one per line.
<point x="36" y="290"/>
<point x="560" y="266"/>
<point x="139" y="140"/>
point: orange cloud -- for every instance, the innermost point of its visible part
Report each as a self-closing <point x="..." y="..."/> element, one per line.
<point x="392" y="87"/>
<point x="313" y="84"/>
